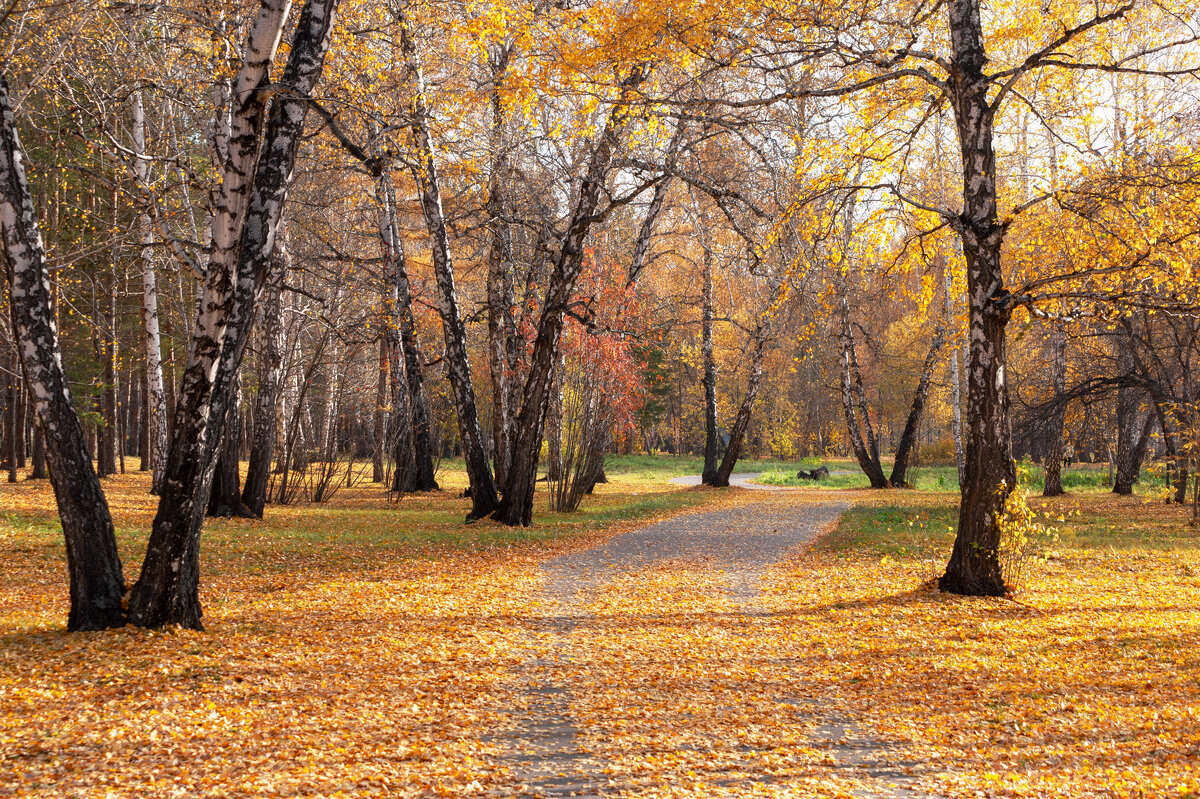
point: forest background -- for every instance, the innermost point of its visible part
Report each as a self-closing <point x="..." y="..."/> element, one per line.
<point x="532" y="235"/>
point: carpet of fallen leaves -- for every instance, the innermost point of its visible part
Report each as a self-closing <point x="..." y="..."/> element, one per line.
<point x="375" y="683"/>
<point x="362" y="668"/>
<point x="1086" y="684"/>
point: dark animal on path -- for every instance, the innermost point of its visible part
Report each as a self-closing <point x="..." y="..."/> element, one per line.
<point x="820" y="473"/>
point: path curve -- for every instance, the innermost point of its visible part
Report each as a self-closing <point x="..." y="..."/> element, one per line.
<point x="743" y="480"/>
<point x="738" y="480"/>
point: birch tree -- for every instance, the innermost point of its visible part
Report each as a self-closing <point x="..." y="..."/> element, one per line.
<point x="97" y="584"/>
<point x="256" y="170"/>
<point x="458" y="365"/>
<point x="156" y="398"/>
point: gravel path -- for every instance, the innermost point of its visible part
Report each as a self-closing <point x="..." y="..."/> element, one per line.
<point x="545" y="753"/>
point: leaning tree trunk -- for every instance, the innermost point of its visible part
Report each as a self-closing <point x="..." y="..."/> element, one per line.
<point x="249" y="206"/>
<point x="516" y="508"/>
<point x="1054" y="456"/>
<point x="270" y="381"/>
<point x="738" y="432"/>
<point x="38" y="458"/>
<point x="458" y="364"/>
<point x="991" y="474"/>
<point x="96" y="581"/>
<point x="156" y="398"/>
<point x="904" y="448"/>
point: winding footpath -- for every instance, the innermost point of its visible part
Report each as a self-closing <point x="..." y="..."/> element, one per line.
<point x="556" y="747"/>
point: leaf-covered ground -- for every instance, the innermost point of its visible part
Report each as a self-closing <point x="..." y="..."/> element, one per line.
<point x="362" y="648"/>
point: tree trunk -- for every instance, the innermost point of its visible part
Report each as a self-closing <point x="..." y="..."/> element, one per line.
<point x="503" y="338"/>
<point x="991" y="475"/>
<point x="1054" y="457"/>
<point x="516" y="508"/>
<point x="379" y="417"/>
<point x="96" y="581"/>
<point x="10" y="417"/>
<point x="458" y="365"/>
<point x="738" y="432"/>
<point x="1127" y="463"/>
<point x="900" y="466"/>
<point x="554" y="425"/>
<point x="248" y="209"/>
<point x="156" y="399"/>
<point x="712" y="441"/>
<point x="412" y="439"/>
<point x="144" y="427"/>
<point x="38" y="460"/>
<point x="270" y="379"/>
<point x="866" y="449"/>
<point x="107" y="454"/>
<point x="19" y="413"/>
<point x="225" y="500"/>
<point x="955" y="384"/>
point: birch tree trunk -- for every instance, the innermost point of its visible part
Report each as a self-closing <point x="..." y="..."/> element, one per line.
<point x="109" y="433"/>
<point x="1054" y="456"/>
<point x="412" y="409"/>
<point x="955" y="385"/>
<point x="458" y="365"/>
<point x="224" y="499"/>
<point x="270" y="379"/>
<point x="991" y="475"/>
<point x="711" y="440"/>
<point x="156" y="398"/>
<point x="379" y="418"/>
<point x="10" y="416"/>
<point x="248" y="209"/>
<point x="854" y="406"/>
<point x="516" y="508"/>
<point x="97" y="584"/>
<point x="737" y="433"/>
<point x="37" y="469"/>
<point x="899" y="478"/>
<point x="503" y="339"/>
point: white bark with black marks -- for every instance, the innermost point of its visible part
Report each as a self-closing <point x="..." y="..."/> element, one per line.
<point x="248" y="210"/>
<point x="156" y="397"/>
<point x="270" y="380"/>
<point x="974" y="566"/>
<point x="97" y="584"/>
<point x="458" y="365"/>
